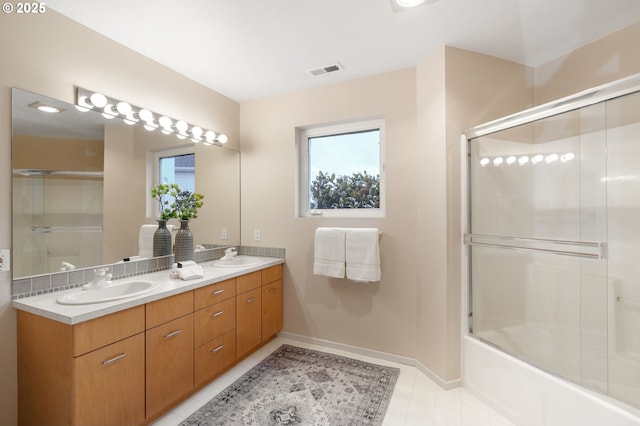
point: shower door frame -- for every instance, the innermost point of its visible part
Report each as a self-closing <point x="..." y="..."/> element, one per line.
<point x="573" y="102"/>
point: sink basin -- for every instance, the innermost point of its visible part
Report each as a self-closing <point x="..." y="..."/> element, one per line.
<point x="238" y="261"/>
<point x="107" y="294"/>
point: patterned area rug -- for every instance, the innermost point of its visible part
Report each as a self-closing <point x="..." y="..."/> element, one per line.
<point x="296" y="386"/>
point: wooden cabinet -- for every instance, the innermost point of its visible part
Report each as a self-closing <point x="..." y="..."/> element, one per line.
<point x="258" y="308"/>
<point x="271" y="309"/>
<point x="109" y="384"/>
<point x="130" y="367"/>
<point x="169" y="352"/>
<point x="71" y="375"/>
<point x="248" y="321"/>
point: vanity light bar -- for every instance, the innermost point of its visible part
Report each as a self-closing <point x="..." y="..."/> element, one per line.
<point x="87" y="100"/>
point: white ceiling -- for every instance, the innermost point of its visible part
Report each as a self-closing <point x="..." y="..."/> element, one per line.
<point x="249" y="49"/>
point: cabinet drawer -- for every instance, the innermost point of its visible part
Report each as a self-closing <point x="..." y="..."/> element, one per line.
<point x="214" y="321"/>
<point x="168" y="309"/>
<point x="109" y="384"/>
<point x="99" y="332"/>
<point x="271" y="274"/>
<point x="169" y="355"/>
<point x="248" y="282"/>
<point x="214" y="293"/>
<point x="214" y="357"/>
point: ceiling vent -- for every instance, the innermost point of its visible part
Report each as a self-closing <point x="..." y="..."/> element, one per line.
<point x="326" y="70"/>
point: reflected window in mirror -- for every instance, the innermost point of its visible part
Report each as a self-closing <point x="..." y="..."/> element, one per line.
<point x="174" y="165"/>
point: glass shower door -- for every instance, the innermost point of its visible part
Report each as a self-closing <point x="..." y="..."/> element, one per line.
<point x="538" y="223"/>
<point x="623" y="222"/>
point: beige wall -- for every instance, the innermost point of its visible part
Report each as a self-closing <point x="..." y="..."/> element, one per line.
<point x="379" y="316"/>
<point x="49" y="54"/>
<point x="608" y="59"/>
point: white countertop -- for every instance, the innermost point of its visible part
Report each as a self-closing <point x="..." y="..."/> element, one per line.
<point x="45" y="305"/>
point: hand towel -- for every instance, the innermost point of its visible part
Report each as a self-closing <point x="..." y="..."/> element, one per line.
<point x="362" y="254"/>
<point x="145" y="240"/>
<point x="329" y="257"/>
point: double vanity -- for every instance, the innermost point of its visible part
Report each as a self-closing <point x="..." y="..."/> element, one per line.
<point x="128" y="361"/>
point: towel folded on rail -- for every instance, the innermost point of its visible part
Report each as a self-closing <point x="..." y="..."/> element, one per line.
<point x="362" y="254"/>
<point x="329" y="252"/>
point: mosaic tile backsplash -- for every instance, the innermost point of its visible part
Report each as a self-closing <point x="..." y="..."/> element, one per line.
<point x="59" y="281"/>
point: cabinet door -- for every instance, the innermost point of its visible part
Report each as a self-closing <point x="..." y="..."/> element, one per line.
<point x="249" y="320"/>
<point x="109" y="384"/>
<point x="271" y="309"/>
<point x="169" y="363"/>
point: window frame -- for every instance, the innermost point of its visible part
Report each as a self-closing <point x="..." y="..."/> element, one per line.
<point x="153" y="172"/>
<point x="303" y="134"/>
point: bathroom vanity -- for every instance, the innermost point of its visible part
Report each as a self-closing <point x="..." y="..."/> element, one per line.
<point x="127" y="362"/>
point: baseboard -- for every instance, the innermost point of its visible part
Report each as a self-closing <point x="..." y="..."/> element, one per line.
<point x="444" y="384"/>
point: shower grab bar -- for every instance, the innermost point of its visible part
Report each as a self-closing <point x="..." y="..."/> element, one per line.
<point x="600" y="246"/>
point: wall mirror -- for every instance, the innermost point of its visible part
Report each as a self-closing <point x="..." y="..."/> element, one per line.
<point x="81" y="186"/>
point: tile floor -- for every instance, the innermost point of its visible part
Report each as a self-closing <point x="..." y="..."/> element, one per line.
<point x="416" y="400"/>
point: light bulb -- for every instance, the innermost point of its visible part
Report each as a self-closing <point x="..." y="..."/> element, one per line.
<point x="210" y="136"/>
<point x="99" y="100"/>
<point x="165" y="122"/>
<point x="497" y="161"/>
<point x="110" y="110"/>
<point x="511" y="159"/>
<point x="182" y="126"/>
<point x="83" y="104"/>
<point x="131" y="118"/>
<point x="123" y="108"/>
<point x="567" y="157"/>
<point x="551" y="158"/>
<point x="222" y="138"/>
<point x="484" y="161"/>
<point x="523" y="160"/>
<point x="196" y="132"/>
<point x="537" y="158"/>
<point x="145" y="115"/>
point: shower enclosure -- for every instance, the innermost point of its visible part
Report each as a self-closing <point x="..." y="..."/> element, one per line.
<point x="554" y="237"/>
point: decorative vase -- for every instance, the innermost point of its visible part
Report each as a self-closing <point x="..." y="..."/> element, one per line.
<point x="184" y="242"/>
<point x="162" y="240"/>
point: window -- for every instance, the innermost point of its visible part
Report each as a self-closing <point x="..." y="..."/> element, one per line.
<point x="175" y="165"/>
<point x="341" y="170"/>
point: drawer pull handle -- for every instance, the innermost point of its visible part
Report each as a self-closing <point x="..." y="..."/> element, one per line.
<point x="217" y="292"/>
<point x="217" y="314"/>
<point x="114" y="359"/>
<point x="272" y="290"/>
<point x="251" y="300"/>
<point x="219" y="348"/>
<point x="173" y="333"/>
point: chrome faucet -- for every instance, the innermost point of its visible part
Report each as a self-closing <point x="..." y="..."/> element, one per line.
<point x="229" y="253"/>
<point x="101" y="279"/>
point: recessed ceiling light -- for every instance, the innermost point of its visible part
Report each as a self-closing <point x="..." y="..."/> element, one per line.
<point x="46" y="108"/>
<point x="409" y="3"/>
<point x="403" y="5"/>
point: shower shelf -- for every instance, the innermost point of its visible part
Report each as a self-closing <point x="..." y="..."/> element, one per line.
<point x="599" y="249"/>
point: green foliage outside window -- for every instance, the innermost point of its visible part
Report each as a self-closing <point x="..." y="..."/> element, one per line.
<point x="358" y="191"/>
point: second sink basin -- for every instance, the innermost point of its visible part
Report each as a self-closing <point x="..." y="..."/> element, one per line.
<point x="107" y="294"/>
<point x="238" y="261"/>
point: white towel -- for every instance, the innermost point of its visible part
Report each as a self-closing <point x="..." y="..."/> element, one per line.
<point x="363" y="254"/>
<point x="329" y="257"/>
<point x="145" y="240"/>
